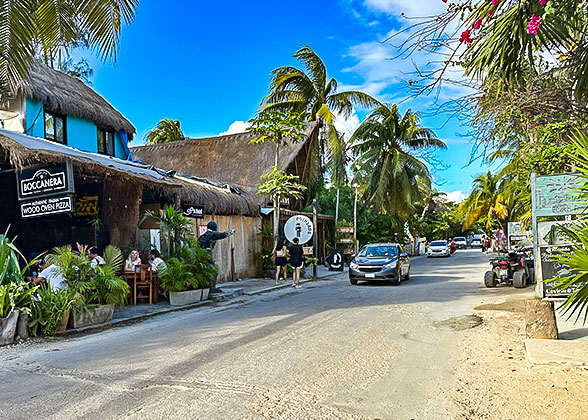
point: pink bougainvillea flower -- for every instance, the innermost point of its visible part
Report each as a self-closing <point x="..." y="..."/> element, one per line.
<point x="541" y="2"/>
<point x="478" y="24"/>
<point x="444" y="1"/>
<point x="533" y="25"/>
<point x="496" y="1"/>
<point x="465" y="37"/>
<point x="490" y="12"/>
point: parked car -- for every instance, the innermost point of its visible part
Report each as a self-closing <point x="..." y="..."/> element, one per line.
<point x="387" y="262"/>
<point x="477" y="241"/>
<point x="439" y="249"/>
<point x="461" y="242"/>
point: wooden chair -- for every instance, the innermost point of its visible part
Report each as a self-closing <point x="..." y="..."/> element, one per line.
<point x="143" y="279"/>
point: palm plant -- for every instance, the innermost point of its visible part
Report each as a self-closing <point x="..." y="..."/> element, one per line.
<point x="166" y="131"/>
<point x="173" y="225"/>
<point x="486" y="200"/>
<point x="52" y="27"/>
<point x="393" y="178"/>
<point x="310" y="91"/>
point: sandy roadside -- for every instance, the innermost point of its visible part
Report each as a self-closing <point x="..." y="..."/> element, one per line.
<point x="494" y="380"/>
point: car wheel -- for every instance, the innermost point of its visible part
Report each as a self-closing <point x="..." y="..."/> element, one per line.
<point x="519" y="279"/>
<point x="352" y="281"/>
<point x="490" y="279"/>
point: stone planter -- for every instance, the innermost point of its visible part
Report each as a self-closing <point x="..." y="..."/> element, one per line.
<point x="205" y="294"/>
<point x="185" y="298"/>
<point x="270" y="273"/>
<point x="22" y="327"/>
<point x="60" y="329"/>
<point x="540" y="319"/>
<point x="85" y="317"/>
<point x="8" y="327"/>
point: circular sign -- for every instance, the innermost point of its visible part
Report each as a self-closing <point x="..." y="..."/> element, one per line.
<point x="299" y="227"/>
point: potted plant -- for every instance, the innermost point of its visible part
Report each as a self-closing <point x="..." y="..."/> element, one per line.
<point x="95" y="291"/>
<point x="50" y="311"/>
<point x="188" y="277"/>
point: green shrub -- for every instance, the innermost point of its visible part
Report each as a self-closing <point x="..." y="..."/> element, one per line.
<point x="191" y="270"/>
<point x="48" y="310"/>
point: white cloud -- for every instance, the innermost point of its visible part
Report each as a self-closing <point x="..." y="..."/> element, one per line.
<point x="347" y="125"/>
<point x="409" y="8"/>
<point x="456" y="196"/>
<point x="236" y="127"/>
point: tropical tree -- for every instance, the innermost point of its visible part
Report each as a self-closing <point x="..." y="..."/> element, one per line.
<point x="485" y="200"/>
<point x="392" y="176"/>
<point x="277" y="126"/>
<point x="166" y="131"/>
<point x="51" y="28"/>
<point x="312" y="92"/>
<point x="174" y="226"/>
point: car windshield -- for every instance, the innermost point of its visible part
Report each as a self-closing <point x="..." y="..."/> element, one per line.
<point x="439" y="243"/>
<point x="378" y="251"/>
<point x="460" y="239"/>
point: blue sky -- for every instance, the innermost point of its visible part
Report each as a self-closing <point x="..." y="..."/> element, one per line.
<point x="207" y="64"/>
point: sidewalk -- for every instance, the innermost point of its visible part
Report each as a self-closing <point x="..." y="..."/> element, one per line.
<point x="253" y="286"/>
<point x="571" y="348"/>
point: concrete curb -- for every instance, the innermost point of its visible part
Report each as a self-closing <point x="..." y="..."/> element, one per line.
<point x="556" y="352"/>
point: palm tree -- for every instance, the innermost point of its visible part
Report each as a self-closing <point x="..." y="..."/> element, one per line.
<point x="485" y="200"/>
<point x="166" y="130"/>
<point x="51" y="28"/>
<point x="312" y="92"/>
<point x="394" y="179"/>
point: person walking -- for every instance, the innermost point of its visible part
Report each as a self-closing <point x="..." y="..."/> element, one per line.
<point x="281" y="252"/>
<point x="296" y="260"/>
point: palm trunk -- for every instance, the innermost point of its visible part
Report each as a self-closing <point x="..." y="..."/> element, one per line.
<point x="277" y="201"/>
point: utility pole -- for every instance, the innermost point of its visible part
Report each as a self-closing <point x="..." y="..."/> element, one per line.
<point x="315" y="237"/>
<point x="355" y="221"/>
<point x="337" y="209"/>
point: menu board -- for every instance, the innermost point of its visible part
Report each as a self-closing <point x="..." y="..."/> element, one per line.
<point x="552" y="269"/>
<point x="557" y="195"/>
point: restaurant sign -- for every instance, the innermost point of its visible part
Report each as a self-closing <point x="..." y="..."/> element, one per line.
<point x="43" y="181"/>
<point x="46" y="206"/>
<point x="557" y="195"/>
<point x="195" y="212"/>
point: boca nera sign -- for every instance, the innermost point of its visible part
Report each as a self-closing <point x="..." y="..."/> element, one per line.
<point x="43" y="181"/>
<point x="196" y="212"/>
<point x="46" y="206"/>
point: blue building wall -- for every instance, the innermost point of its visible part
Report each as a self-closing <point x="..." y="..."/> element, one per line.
<point x="81" y="132"/>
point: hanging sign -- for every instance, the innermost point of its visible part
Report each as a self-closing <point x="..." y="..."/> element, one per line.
<point x="195" y="212"/>
<point x="299" y="227"/>
<point x="86" y="205"/>
<point x="46" y="206"/>
<point x="43" y="181"/>
<point x="557" y="195"/>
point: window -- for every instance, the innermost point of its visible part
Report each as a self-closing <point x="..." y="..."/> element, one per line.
<point x="105" y="142"/>
<point x="55" y="127"/>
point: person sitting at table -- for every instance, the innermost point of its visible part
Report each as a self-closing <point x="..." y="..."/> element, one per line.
<point x="95" y="258"/>
<point x="157" y="262"/>
<point x="132" y="261"/>
<point x="50" y="274"/>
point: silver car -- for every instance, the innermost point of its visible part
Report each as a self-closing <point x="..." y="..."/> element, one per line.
<point x="439" y="249"/>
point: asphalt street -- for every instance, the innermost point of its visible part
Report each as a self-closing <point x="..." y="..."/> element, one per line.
<point x="327" y="351"/>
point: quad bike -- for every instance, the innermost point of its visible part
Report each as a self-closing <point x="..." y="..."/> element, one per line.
<point x="516" y="268"/>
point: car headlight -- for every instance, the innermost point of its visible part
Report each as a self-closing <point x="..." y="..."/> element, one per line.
<point x="354" y="266"/>
<point x="390" y="264"/>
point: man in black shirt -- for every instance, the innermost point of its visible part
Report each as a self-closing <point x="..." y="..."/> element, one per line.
<point x="208" y="240"/>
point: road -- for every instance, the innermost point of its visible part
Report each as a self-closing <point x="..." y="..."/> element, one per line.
<point x="327" y="351"/>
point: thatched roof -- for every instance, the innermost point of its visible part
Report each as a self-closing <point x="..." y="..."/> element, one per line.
<point x="69" y="95"/>
<point x="23" y="150"/>
<point x="230" y="159"/>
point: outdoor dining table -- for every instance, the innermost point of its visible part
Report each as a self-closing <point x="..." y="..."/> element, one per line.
<point x="129" y="277"/>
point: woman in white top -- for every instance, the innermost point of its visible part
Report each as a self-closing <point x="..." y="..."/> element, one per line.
<point x="132" y="261"/>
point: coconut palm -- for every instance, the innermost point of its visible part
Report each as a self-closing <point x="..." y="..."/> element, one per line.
<point x="166" y="130"/>
<point x="52" y="27"/>
<point x="394" y="179"/>
<point x="486" y="200"/>
<point x="312" y="92"/>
